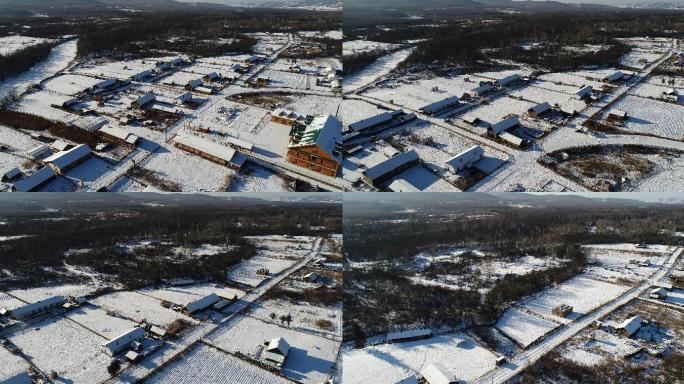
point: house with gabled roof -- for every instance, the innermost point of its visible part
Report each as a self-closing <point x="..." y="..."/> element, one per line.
<point x="317" y="144"/>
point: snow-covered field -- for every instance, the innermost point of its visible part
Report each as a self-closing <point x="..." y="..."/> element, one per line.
<point x="361" y="46"/>
<point x="639" y="59"/>
<point x="523" y="327"/>
<point x="192" y="172"/>
<point x="32" y="295"/>
<point x="11" y="365"/>
<point x="652" y="117"/>
<point x="12" y="44"/>
<point x="304" y="315"/>
<point x="10" y="302"/>
<point x="246" y="271"/>
<point x="70" y="84"/>
<point x="310" y="358"/>
<point x="205" y="364"/>
<point x="390" y="363"/>
<point x="582" y="293"/>
<point x="138" y="307"/>
<point x="60" y="345"/>
<point x="99" y="321"/>
<point x="376" y="70"/>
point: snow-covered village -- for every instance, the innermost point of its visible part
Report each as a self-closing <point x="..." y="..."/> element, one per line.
<point x="243" y="290"/>
<point x="475" y="98"/>
<point x="209" y="100"/>
<point x="497" y="288"/>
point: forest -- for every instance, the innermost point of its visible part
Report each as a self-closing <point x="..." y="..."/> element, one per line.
<point x="97" y="231"/>
<point x="198" y="32"/>
<point x="382" y="295"/>
<point x="476" y="43"/>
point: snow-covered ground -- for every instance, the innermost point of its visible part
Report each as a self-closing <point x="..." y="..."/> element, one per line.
<point x="60" y="345"/>
<point x="304" y="315"/>
<point x="11" y="366"/>
<point x="100" y="322"/>
<point x="376" y="70"/>
<point x="390" y="363"/>
<point x="582" y="293"/>
<point x="310" y="358"/>
<point x="204" y="364"/>
<point x="31" y="295"/>
<point x="361" y="46"/>
<point x="12" y="44"/>
<point x="524" y="327"/>
<point x="138" y="307"/>
<point x="653" y="117"/>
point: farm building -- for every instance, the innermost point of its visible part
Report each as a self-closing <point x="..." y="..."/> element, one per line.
<point x="440" y="106"/>
<point x="66" y="104"/>
<point x="390" y="167"/>
<point x="277" y="350"/>
<point x="11" y="174"/>
<point x="583" y="93"/>
<point x="376" y="121"/>
<point x="539" y="109"/>
<point x="61" y="145"/>
<point x="613" y="77"/>
<point x="617" y="115"/>
<point x="414" y="334"/>
<point x="89" y="123"/>
<point x="568" y="111"/>
<point x="480" y="91"/>
<point x="192" y="84"/>
<point x="316" y="145"/>
<point x="509" y="80"/>
<point x="437" y="374"/>
<point x="400" y="185"/>
<point x="234" y="142"/>
<point x="630" y="325"/>
<point x="38" y="307"/>
<point x="202" y="303"/>
<point x="262" y="81"/>
<point x="512" y="139"/>
<point x="562" y="310"/>
<point x="158" y="332"/>
<point x="471" y="119"/>
<point x="671" y="95"/>
<point x="35" y="181"/>
<point x="39" y="152"/>
<point x="176" y="62"/>
<point x="184" y="98"/>
<point x="104" y="84"/>
<point x="503" y="125"/>
<point x="658" y="293"/>
<point x="205" y="90"/>
<point x="143" y="101"/>
<point x="123" y="342"/>
<point x="140" y="76"/>
<point x="210" y="150"/>
<point x="211" y="76"/>
<point x="287" y="117"/>
<point x="63" y="161"/>
<point x="120" y="135"/>
<point x="465" y="159"/>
